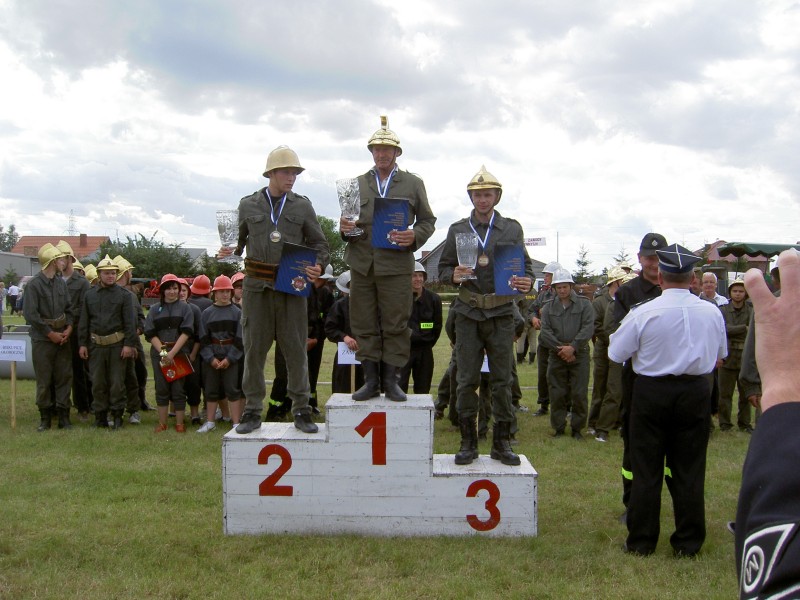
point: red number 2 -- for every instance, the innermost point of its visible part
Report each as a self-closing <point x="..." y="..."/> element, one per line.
<point x="490" y="505"/>
<point x="376" y="423"/>
<point x="268" y="487"/>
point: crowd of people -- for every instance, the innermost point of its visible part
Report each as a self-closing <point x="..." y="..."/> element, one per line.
<point x="668" y="350"/>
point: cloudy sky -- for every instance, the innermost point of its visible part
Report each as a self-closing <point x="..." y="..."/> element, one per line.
<point x="603" y="119"/>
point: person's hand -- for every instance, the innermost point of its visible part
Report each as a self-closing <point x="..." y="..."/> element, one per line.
<point x="224" y="251"/>
<point x="536" y="323"/>
<point x="403" y="238"/>
<point x="313" y="272"/>
<point x="521" y="284"/>
<point x="777" y="322"/>
<point x="83" y="352"/>
<point x="754" y="400"/>
<point x="346" y="225"/>
<point x="55" y="337"/>
<point x="351" y="342"/>
<point x="461" y="273"/>
<point x="310" y="343"/>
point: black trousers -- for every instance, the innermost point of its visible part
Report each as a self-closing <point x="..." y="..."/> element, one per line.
<point x="420" y="366"/>
<point x="669" y="428"/>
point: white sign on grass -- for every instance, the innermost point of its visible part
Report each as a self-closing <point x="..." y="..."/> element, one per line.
<point x="12" y="350"/>
<point x="345" y="356"/>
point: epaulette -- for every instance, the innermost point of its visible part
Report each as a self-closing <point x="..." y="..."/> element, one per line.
<point x="638" y="304"/>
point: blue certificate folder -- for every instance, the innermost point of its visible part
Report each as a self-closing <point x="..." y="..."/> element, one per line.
<point x="291" y="277"/>
<point x="508" y="260"/>
<point x="390" y="214"/>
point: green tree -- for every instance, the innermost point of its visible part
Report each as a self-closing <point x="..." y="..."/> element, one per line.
<point x="583" y="274"/>
<point x="11" y="276"/>
<point x="210" y="266"/>
<point x="623" y="258"/>
<point x="8" y="239"/>
<point x="335" y="242"/>
<point x="150" y="258"/>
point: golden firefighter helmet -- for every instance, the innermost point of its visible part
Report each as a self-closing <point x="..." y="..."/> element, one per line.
<point x="483" y="180"/>
<point x="385" y="137"/>
<point x="282" y="157"/>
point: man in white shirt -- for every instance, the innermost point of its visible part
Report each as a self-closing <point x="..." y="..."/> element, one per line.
<point x="674" y="342"/>
<point x="709" y="290"/>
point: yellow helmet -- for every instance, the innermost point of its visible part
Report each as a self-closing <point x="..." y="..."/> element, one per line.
<point x="66" y="249"/>
<point x="282" y="157"/>
<point x="107" y="265"/>
<point x="616" y="273"/>
<point x="78" y="265"/>
<point x="385" y="137"/>
<point x="483" y="180"/>
<point x="47" y="254"/>
<point x="123" y="265"/>
<point x="91" y="273"/>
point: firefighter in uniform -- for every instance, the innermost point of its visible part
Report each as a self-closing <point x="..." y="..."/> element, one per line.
<point x="673" y="343"/>
<point x="484" y="321"/>
<point x="268" y="218"/>
<point x="567" y="327"/>
<point x="48" y="311"/>
<point x="380" y="296"/>
<point x="545" y="295"/>
<point x="107" y="335"/>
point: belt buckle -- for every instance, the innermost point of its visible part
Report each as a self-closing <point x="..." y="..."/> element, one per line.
<point x="473" y="301"/>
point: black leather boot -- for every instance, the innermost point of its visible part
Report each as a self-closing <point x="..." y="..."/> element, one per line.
<point x="63" y="419"/>
<point x="501" y="444"/>
<point x="372" y="384"/>
<point x="45" y="415"/>
<point x="391" y="389"/>
<point x="101" y="420"/>
<point x="469" y="441"/>
<point x="117" y="420"/>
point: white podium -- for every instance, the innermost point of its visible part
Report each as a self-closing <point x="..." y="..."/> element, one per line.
<point x="371" y="471"/>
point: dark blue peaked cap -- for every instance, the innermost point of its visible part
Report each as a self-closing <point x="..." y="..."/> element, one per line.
<point x="676" y="259"/>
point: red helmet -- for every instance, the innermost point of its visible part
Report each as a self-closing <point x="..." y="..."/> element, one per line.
<point x="223" y="282"/>
<point x="201" y="285"/>
<point x="237" y="277"/>
<point x="167" y="278"/>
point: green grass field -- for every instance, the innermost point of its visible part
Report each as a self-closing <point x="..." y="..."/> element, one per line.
<point x="131" y="514"/>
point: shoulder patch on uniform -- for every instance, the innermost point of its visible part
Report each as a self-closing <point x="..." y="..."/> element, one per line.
<point x="761" y="551"/>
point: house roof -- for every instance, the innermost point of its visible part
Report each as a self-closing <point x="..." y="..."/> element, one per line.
<point x="82" y="245"/>
<point x="717" y="251"/>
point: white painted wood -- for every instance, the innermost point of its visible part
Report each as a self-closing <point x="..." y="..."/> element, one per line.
<point x="337" y="488"/>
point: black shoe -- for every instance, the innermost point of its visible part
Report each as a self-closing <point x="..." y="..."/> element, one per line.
<point x="303" y="422"/>
<point x="145" y="406"/>
<point x="63" y="419"/>
<point x="501" y="446"/>
<point x="747" y="429"/>
<point x="117" y="423"/>
<point x="372" y="385"/>
<point x="636" y="552"/>
<point x="391" y="389"/>
<point x="541" y="412"/>
<point x="101" y="420"/>
<point x="557" y="434"/>
<point x="469" y="441"/>
<point x="679" y="553"/>
<point x="249" y="422"/>
<point x="44" y="424"/>
<point x="576" y="435"/>
<point x="315" y="411"/>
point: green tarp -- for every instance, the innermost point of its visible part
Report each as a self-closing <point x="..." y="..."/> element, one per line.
<point x="754" y="249"/>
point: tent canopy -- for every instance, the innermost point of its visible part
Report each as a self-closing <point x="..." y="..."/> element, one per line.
<point x="754" y="249"/>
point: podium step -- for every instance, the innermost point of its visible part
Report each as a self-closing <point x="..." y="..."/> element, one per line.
<point x="370" y="470"/>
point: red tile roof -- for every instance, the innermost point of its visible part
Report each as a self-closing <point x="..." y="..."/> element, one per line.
<point x="82" y="245"/>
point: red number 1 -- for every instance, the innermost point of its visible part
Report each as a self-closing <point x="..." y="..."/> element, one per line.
<point x="490" y="505"/>
<point x="376" y="423"/>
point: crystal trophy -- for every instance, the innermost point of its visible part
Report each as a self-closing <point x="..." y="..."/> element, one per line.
<point x="467" y="251"/>
<point x="350" y="203"/>
<point x="228" y="227"/>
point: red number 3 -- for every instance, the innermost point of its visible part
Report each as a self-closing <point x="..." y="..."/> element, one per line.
<point x="490" y="505"/>
<point x="268" y="487"/>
